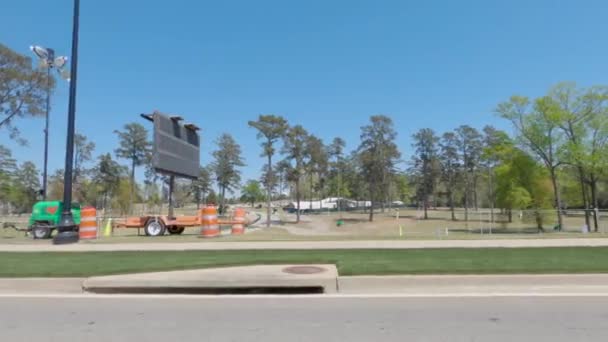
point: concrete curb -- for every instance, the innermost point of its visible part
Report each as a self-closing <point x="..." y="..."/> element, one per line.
<point x="229" y="280"/>
<point x="233" y="280"/>
<point x="41" y="285"/>
<point x="475" y="284"/>
<point x="307" y="245"/>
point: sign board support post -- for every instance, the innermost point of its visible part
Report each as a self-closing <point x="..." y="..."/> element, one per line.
<point x="171" y="186"/>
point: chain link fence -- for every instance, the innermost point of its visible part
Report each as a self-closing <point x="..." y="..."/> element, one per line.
<point x="443" y="221"/>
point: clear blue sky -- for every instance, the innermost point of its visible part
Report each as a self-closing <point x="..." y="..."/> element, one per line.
<point x="327" y="65"/>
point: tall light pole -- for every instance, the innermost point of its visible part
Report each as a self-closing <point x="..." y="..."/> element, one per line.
<point x="47" y="60"/>
<point x="67" y="229"/>
<point x="46" y="133"/>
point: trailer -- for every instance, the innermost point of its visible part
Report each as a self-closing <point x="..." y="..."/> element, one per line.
<point x="175" y="153"/>
<point x="158" y="225"/>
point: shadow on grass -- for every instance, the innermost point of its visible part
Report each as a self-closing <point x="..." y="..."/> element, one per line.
<point x="353" y="220"/>
<point x="504" y="231"/>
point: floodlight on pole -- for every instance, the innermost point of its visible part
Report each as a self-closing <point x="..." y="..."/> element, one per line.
<point x="48" y="61"/>
<point x="42" y="52"/>
<point x="60" y="62"/>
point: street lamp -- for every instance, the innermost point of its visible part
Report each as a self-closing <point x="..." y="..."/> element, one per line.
<point x="67" y="229"/>
<point x="48" y="61"/>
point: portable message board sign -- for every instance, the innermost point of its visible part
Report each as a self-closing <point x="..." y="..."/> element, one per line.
<point x="176" y="147"/>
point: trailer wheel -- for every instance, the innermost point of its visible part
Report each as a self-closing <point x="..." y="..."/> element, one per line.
<point x="41" y="230"/>
<point x="154" y="228"/>
<point x="174" y="230"/>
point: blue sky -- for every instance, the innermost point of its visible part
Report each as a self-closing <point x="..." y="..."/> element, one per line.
<point x="327" y="65"/>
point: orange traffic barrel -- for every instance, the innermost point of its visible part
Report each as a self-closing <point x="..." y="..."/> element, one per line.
<point x="239" y="221"/>
<point x="88" y="223"/>
<point x="211" y="227"/>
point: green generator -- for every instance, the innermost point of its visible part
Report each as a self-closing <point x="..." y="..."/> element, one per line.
<point x="46" y="216"/>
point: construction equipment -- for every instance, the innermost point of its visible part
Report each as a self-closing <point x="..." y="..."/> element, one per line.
<point x="46" y="216"/>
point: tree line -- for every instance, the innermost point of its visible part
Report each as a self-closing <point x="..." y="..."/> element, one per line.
<point x="310" y="168"/>
<point x="105" y="182"/>
<point x="555" y="158"/>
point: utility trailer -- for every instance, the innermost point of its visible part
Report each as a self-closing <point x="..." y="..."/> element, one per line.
<point x="157" y="225"/>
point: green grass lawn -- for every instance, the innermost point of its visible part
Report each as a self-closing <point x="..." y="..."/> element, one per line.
<point x="349" y="262"/>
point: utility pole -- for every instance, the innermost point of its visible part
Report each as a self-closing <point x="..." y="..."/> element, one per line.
<point x="67" y="229"/>
<point x="46" y="134"/>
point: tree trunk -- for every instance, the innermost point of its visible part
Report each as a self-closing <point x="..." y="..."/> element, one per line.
<point x="510" y="214"/>
<point x="310" y="198"/>
<point x="539" y="220"/>
<point x="475" y="203"/>
<point x="491" y="196"/>
<point x="320" y="195"/>
<point x="132" y="176"/>
<point x="298" y="200"/>
<point x="466" y="204"/>
<point x="223" y="206"/>
<point x="371" y="209"/>
<point x="558" y="198"/>
<point x="132" y="185"/>
<point x="451" y="199"/>
<point x="594" y="201"/>
<point x="426" y="203"/>
<point x="581" y="177"/>
<point x="171" y="189"/>
<point x="268" y="190"/>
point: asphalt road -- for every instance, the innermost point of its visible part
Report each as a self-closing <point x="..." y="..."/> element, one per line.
<point x="153" y="318"/>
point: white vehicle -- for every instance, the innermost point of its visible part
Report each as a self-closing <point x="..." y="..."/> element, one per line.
<point x="330" y="203"/>
<point x="326" y="203"/>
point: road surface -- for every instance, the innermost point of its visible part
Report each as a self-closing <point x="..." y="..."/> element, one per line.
<point x="270" y="319"/>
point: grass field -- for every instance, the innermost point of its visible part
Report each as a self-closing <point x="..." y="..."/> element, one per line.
<point x="349" y="262"/>
<point x="402" y="224"/>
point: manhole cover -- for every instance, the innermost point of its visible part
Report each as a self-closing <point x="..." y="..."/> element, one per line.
<point x="303" y="270"/>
